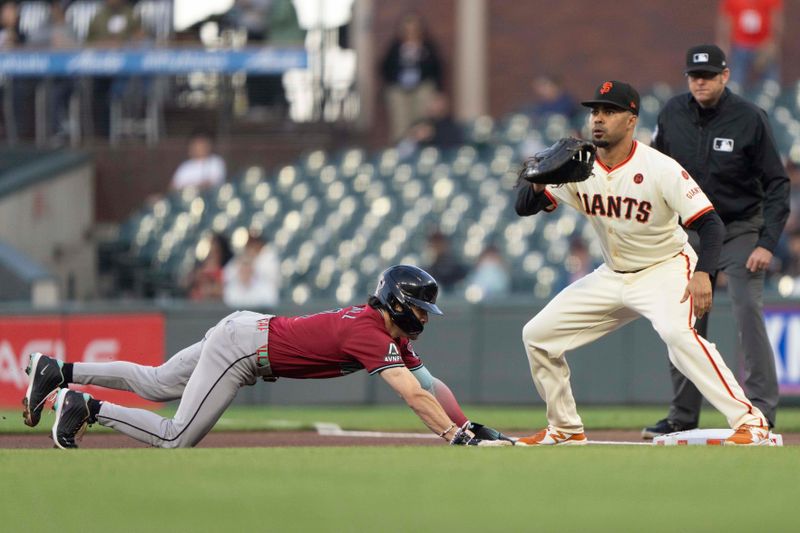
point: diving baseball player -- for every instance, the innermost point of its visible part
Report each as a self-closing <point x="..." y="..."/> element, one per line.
<point x="244" y="346"/>
<point x="633" y="201"/>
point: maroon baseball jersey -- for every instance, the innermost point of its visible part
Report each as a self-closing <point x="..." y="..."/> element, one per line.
<point x="334" y="343"/>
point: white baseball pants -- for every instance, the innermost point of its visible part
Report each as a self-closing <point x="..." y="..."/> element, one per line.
<point x="604" y="301"/>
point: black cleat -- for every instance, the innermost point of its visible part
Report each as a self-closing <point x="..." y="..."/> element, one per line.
<point x="44" y="379"/>
<point x="72" y="416"/>
<point x="665" y="426"/>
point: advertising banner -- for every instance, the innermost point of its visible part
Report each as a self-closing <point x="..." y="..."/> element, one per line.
<point x="783" y="329"/>
<point x="151" y="61"/>
<point x="138" y="338"/>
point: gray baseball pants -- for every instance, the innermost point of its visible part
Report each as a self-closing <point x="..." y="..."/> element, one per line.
<point x="746" y="290"/>
<point x="205" y="377"/>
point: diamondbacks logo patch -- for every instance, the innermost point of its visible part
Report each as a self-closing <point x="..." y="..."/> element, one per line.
<point x="394" y="354"/>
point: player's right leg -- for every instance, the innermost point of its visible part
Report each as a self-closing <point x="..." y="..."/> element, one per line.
<point x="581" y="313"/>
<point x="155" y="383"/>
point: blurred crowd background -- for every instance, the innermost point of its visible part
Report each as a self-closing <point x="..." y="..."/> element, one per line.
<point x="396" y="139"/>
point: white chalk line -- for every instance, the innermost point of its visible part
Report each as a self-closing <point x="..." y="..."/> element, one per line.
<point x="327" y="429"/>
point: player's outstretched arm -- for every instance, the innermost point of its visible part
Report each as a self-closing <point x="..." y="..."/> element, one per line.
<point x="448" y="401"/>
<point x="420" y="401"/>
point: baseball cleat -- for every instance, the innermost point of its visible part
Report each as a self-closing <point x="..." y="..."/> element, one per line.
<point x="44" y="379"/>
<point x="664" y="427"/>
<point x="747" y="435"/>
<point x="72" y="416"/>
<point x="552" y="437"/>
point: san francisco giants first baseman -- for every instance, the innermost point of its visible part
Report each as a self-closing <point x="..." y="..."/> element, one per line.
<point x="633" y="200"/>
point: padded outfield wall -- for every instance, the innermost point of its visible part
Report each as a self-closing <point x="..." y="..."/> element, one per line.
<point x="477" y="350"/>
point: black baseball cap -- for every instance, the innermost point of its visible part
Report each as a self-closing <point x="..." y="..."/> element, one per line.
<point x="616" y="93"/>
<point x="705" y="58"/>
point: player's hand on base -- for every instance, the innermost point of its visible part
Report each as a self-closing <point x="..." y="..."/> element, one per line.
<point x="759" y="259"/>
<point x="485" y="433"/>
<point x="699" y="289"/>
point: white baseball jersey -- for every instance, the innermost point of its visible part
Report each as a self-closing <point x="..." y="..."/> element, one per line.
<point x="634" y="207"/>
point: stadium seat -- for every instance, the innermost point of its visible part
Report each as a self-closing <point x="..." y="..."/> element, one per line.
<point x="156" y="17"/>
<point x="32" y="16"/>
<point x="338" y="219"/>
<point x="79" y="15"/>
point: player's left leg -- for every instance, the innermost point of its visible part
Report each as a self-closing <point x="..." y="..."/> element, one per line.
<point x="155" y="383"/>
<point x="656" y="294"/>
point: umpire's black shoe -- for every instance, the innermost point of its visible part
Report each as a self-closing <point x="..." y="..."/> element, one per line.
<point x="72" y="416"/>
<point x="664" y="426"/>
<point x="44" y="379"/>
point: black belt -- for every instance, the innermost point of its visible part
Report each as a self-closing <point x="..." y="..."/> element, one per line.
<point x="630" y="271"/>
<point x="645" y="268"/>
<point x="263" y="368"/>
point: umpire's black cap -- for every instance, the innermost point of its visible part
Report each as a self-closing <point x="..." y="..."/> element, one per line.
<point x="616" y="93"/>
<point x="705" y="58"/>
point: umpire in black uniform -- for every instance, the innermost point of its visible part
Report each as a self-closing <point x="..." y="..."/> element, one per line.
<point x="727" y="145"/>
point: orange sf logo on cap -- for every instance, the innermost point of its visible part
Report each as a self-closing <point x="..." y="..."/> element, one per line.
<point x="606" y="87"/>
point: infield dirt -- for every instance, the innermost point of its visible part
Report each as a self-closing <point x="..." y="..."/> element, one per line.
<point x="265" y="439"/>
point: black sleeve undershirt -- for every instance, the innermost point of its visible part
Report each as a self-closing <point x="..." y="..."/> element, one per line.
<point x="711" y="231"/>
<point x="530" y="202"/>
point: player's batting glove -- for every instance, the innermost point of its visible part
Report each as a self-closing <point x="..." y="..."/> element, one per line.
<point x="464" y="437"/>
<point x="485" y="433"/>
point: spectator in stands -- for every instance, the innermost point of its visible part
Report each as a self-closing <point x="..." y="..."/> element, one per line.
<point x="20" y="120"/>
<point x="550" y="98"/>
<point x="253" y="278"/>
<point x="10" y="36"/>
<point x="205" y="282"/>
<point x="56" y="34"/>
<point x="442" y="263"/>
<point x="579" y="262"/>
<point x="411" y="72"/>
<point x="792" y="265"/>
<point x="750" y="31"/>
<point x="437" y="128"/>
<point x="115" y="25"/>
<point x="204" y="168"/>
<point x="271" y="22"/>
<point x="490" y="274"/>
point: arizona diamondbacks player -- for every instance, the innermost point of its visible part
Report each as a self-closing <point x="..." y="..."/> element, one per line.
<point x="244" y="346"/>
<point x="633" y="201"/>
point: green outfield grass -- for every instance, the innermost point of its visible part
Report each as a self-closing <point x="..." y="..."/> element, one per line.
<point x="413" y="488"/>
<point x="400" y="418"/>
<point x="401" y="489"/>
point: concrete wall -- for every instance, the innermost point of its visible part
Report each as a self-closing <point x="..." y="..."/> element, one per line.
<point x="51" y="221"/>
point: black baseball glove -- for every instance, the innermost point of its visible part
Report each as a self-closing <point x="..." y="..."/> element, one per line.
<point x="568" y="160"/>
